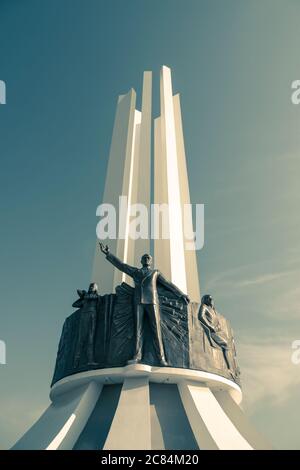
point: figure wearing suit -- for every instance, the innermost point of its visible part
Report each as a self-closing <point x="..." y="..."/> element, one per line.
<point x="146" y="301"/>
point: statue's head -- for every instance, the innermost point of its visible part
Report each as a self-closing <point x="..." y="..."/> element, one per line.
<point x="208" y="300"/>
<point x="93" y="288"/>
<point x="146" y="260"/>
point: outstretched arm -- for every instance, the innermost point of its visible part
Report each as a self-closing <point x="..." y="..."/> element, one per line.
<point x="125" y="268"/>
<point x="115" y="261"/>
<point x="170" y="286"/>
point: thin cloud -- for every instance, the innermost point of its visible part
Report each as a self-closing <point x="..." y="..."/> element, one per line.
<point x="268" y="374"/>
<point x="263" y="279"/>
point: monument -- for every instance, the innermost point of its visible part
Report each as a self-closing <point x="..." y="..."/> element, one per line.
<point x="144" y="362"/>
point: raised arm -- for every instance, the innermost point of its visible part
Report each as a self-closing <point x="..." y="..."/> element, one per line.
<point x="79" y="302"/>
<point x="169" y="285"/>
<point x="125" y="268"/>
<point x="115" y="261"/>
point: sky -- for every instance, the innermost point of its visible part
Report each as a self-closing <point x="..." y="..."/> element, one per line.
<point x="64" y="63"/>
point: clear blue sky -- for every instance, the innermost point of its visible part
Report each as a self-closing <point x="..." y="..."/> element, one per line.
<point x="64" y="63"/>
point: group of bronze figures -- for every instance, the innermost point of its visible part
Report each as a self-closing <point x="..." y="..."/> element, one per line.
<point x="154" y="323"/>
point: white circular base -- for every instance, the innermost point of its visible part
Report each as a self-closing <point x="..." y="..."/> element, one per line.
<point x="167" y="375"/>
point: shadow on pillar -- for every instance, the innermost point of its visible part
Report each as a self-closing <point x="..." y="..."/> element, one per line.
<point x="96" y="430"/>
<point x="170" y="428"/>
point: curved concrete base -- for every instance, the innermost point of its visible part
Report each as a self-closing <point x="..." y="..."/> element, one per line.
<point x="143" y="407"/>
<point x="167" y="375"/>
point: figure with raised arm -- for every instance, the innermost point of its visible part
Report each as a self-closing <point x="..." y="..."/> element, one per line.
<point x="146" y="302"/>
<point x="88" y="305"/>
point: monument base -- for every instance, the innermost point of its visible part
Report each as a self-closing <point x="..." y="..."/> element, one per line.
<point x="143" y="407"/>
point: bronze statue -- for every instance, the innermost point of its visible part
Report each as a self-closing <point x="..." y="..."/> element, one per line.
<point x="211" y="324"/>
<point x="88" y="304"/>
<point x="146" y="300"/>
<point x="108" y="331"/>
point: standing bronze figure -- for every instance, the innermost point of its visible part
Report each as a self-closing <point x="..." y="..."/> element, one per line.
<point x="146" y="302"/>
<point x="88" y="305"/>
<point x="211" y="324"/>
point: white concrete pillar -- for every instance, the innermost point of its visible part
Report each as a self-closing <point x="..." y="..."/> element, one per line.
<point x="143" y="164"/>
<point x="162" y="252"/>
<point x="63" y="421"/>
<point x="130" y="429"/>
<point x="69" y="433"/>
<point x="190" y="255"/>
<point x="118" y="183"/>
<point x="241" y="422"/>
<point x="211" y="426"/>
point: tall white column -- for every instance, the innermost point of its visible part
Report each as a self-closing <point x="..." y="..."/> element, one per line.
<point x="126" y="246"/>
<point x="143" y="196"/>
<point x="177" y="258"/>
<point x="118" y="183"/>
<point x="171" y="187"/>
<point x="191" y="268"/>
<point x="128" y="174"/>
<point x="161" y="221"/>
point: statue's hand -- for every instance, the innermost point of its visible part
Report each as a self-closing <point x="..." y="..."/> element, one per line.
<point x="81" y="293"/>
<point x="104" y="248"/>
